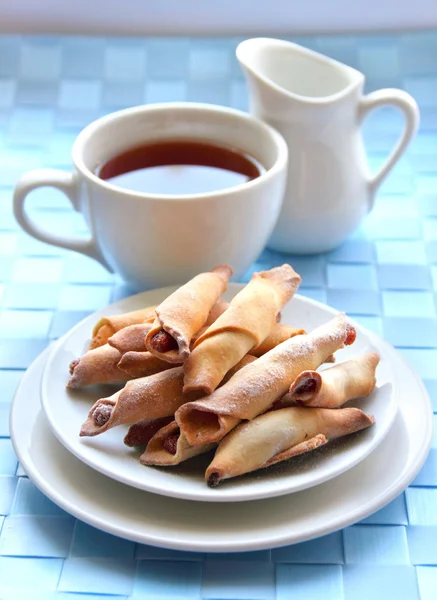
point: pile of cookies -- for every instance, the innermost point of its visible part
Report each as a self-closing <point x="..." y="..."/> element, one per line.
<point x="202" y="374"/>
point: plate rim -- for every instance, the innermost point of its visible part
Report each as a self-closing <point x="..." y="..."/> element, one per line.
<point x="239" y="495"/>
<point x="376" y="503"/>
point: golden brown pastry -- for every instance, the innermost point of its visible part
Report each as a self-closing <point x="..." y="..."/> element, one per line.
<point x="97" y="366"/>
<point x="280" y="333"/>
<point x="107" y="326"/>
<point x="106" y="365"/>
<point x="146" y="398"/>
<point x="142" y="364"/>
<point x="257" y="386"/>
<point x="132" y="338"/>
<point x="246" y="323"/>
<point x="333" y="387"/>
<point x="140" y="433"/>
<point x="169" y="447"/>
<point x="278" y="435"/>
<point x="180" y="316"/>
<point x="218" y="309"/>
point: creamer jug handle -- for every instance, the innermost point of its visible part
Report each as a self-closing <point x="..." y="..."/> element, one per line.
<point x="408" y="106"/>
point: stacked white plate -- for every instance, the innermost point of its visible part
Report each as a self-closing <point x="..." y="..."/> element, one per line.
<point x="101" y="481"/>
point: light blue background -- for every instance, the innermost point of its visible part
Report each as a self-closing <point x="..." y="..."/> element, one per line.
<point x="385" y="277"/>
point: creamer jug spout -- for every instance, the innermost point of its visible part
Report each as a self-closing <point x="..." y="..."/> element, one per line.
<point x="280" y="70"/>
<point x="261" y="60"/>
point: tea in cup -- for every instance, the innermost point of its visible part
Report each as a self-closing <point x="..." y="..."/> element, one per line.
<point x="168" y="191"/>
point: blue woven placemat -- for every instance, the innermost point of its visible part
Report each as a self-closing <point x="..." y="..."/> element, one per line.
<point x="385" y="277"/>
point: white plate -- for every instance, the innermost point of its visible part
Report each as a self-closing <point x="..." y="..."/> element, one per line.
<point x="214" y="527"/>
<point x="66" y="410"/>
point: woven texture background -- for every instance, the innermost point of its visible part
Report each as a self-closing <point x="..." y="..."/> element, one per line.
<point x="385" y="277"/>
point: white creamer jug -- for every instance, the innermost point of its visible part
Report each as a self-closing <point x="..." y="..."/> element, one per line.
<point x="318" y="105"/>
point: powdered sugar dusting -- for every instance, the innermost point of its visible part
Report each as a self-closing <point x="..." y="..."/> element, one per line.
<point x="256" y="386"/>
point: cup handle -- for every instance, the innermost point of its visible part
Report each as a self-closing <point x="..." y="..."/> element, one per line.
<point x="66" y="183"/>
<point x="408" y="106"/>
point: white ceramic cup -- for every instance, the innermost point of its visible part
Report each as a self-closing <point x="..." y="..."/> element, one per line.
<point x="152" y="240"/>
